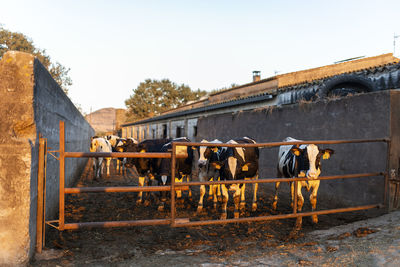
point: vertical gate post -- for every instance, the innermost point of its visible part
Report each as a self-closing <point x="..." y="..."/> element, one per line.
<point x="62" y="176"/>
<point x="173" y="163"/>
<point x="40" y="218"/>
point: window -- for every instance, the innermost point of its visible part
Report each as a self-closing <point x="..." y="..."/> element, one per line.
<point x="164" y="135"/>
<point x="180" y="131"/>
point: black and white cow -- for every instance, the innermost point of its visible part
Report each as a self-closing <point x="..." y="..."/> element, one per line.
<point x="183" y="168"/>
<point x="116" y="141"/>
<point x="147" y="167"/>
<point x="239" y="163"/>
<point x="125" y="145"/>
<point x="100" y="144"/>
<point x="301" y="161"/>
<point x="209" y="162"/>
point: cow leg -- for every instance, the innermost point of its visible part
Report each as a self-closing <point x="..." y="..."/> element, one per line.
<point x="215" y="193"/>
<point x="313" y="198"/>
<point x="140" y="195"/>
<point x="150" y="195"/>
<point x="219" y="195"/>
<point x="274" y="204"/>
<point x="94" y="168"/>
<point x="255" y="189"/>
<point x="236" y="198"/>
<point x="292" y="194"/>
<point x="243" y="197"/>
<point x="300" y="198"/>
<point x="161" y="205"/>
<point x="225" y="197"/>
<point x="179" y="192"/>
<point x="100" y="167"/>
<point x="189" y="190"/>
<point x="108" y="161"/>
<point x="117" y="168"/>
<point x="202" y="193"/>
<point x="211" y="191"/>
<point x="300" y="202"/>
<point x="123" y="167"/>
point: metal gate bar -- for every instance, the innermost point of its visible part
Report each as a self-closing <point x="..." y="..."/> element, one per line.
<point x="274" y="180"/>
<point x="273" y="217"/>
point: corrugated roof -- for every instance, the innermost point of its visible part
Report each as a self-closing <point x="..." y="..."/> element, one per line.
<point x="225" y="104"/>
<point x="309" y="75"/>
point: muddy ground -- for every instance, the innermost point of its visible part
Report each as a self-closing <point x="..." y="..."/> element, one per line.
<point x="349" y="239"/>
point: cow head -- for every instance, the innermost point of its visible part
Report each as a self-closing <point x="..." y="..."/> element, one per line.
<point x="208" y="156"/>
<point x="93" y="145"/>
<point x="308" y="160"/>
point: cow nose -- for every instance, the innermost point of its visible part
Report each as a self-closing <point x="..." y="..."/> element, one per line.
<point x="202" y="163"/>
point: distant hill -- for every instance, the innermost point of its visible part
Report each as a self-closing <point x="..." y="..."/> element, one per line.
<point x="106" y="120"/>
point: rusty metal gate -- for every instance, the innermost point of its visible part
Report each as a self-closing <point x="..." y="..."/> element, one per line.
<point x="175" y="221"/>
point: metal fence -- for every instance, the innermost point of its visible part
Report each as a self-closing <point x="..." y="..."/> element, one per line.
<point x="173" y="220"/>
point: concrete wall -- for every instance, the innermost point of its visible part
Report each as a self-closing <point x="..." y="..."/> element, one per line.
<point x="31" y="102"/>
<point x="364" y="116"/>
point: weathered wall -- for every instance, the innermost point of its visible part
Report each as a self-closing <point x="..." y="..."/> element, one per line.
<point x="31" y="102"/>
<point x="364" y="116"/>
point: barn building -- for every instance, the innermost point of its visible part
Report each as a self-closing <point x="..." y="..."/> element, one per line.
<point x="350" y="77"/>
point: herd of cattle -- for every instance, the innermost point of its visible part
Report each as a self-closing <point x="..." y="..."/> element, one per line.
<point x="214" y="163"/>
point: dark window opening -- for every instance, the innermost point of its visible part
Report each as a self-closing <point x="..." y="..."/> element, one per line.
<point x="194" y="130"/>
<point x="179" y="131"/>
<point x="164" y="131"/>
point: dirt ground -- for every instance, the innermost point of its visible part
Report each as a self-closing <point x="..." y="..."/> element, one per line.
<point x="349" y="239"/>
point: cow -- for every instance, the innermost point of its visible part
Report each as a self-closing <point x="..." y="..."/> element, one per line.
<point x="183" y="168"/>
<point x="301" y="161"/>
<point x="147" y="166"/>
<point x="100" y="144"/>
<point x="238" y="163"/>
<point x="208" y="162"/>
<point x="124" y="145"/>
<point x="117" y="141"/>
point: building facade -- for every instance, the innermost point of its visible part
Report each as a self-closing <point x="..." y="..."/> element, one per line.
<point x="352" y="77"/>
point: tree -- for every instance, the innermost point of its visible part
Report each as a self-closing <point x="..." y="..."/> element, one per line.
<point x="19" y="42"/>
<point x="152" y="97"/>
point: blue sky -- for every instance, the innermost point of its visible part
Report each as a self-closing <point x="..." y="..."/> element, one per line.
<point x="112" y="46"/>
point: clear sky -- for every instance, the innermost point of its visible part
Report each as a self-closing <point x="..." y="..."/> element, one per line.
<point x="112" y="46"/>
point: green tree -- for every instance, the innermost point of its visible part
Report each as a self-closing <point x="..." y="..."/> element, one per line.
<point x="152" y="97"/>
<point x="19" y="42"/>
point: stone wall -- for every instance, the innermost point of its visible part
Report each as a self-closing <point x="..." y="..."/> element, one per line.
<point x="31" y="103"/>
<point x="364" y="116"/>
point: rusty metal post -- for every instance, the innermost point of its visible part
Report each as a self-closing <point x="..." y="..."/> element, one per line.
<point x="62" y="176"/>
<point x="40" y="202"/>
<point x="173" y="163"/>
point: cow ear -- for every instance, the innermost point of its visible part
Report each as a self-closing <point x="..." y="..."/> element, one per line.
<point x="214" y="149"/>
<point x="296" y="151"/>
<point x="194" y="148"/>
<point x="327" y="153"/>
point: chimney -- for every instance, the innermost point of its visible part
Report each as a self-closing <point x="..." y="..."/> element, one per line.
<point x="256" y="76"/>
